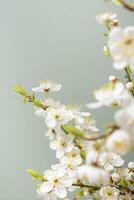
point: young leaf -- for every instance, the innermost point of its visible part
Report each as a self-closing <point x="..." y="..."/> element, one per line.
<point x="70" y="129"/>
<point x="35" y="175"/>
<point x="19" y="89"/>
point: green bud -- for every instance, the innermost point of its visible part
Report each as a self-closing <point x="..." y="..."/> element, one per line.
<point x="70" y="129"/>
<point x="118" y="2"/>
<point x="79" y="194"/>
<point x="37" y="186"/>
<point x="35" y="175"/>
<point x="83" y="154"/>
<point x="125" y="183"/>
<point x="106" y="51"/>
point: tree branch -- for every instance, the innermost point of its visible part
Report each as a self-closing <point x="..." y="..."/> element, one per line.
<point x="87" y="186"/>
<point x="127" y="6"/>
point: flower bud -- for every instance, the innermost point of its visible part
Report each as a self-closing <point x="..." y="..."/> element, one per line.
<point x="131" y="165"/>
<point x="129" y="85"/>
<point x="111" y="78"/>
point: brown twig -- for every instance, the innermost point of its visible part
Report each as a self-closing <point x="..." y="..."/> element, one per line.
<point x="87" y="186"/>
<point x="127" y="6"/>
<point x="98" y="137"/>
<point x="31" y="99"/>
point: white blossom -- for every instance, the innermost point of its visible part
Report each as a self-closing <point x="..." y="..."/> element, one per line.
<point x="121" y="46"/>
<point x="128" y="174"/>
<point x="77" y="114"/>
<point x="131" y="165"/>
<point x="119" y="141"/>
<point x="62" y="144"/>
<point x="125" y="119"/>
<point x="122" y="174"/>
<point x="92" y="157"/>
<point x="71" y="160"/>
<point x="55" y="181"/>
<point x="108" y="19"/>
<point x="110" y="160"/>
<point x="46" y="196"/>
<point x="112" y="94"/>
<point x="112" y="78"/>
<point x="109" y="193"/>
<point x="57" y="116"/>
<point x="93" y="175"/>
<point x="115" y="177"/>
<point x="51" y="133"/>
<point x="129" y="85"/>
<point x="48" y="103"/>
<point x="74" y="156"/>
<point x="46" y="86"/>
<point x="88" y="124"/>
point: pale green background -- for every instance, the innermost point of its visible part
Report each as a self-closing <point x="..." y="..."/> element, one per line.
<point x="45" y="39"/>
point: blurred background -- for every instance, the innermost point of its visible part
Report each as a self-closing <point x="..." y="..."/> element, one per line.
<point x="46" y="39"/>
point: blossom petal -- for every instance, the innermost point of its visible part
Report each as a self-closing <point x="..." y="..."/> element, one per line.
<point x="60" y="191"/>
<point x="46" y="187"/>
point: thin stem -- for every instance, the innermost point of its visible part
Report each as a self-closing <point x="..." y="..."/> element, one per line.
<point x="84" y="137"/>
<point x="125" y="5"/>
<point x="30" y="99"/>
<point x="102" y="136"/>
<point x="128" y="76"/>
<point x="98" y="137"/>
<point x="98" y="188"/>
<point x="87" y="186"/>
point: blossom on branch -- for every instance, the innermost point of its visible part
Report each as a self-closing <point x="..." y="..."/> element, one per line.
<point x="121" y="46"/>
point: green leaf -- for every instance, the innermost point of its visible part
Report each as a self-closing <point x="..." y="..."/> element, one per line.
<point x="35" y="175"/>
<point x="70" y="129"/>
<point x="19" y="89"/>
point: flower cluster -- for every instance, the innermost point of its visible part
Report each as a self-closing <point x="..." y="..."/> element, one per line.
<point x="91" y="164"/>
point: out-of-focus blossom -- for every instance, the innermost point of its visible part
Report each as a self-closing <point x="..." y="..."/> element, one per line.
<point x="93" y="175"/>
<point x="119" y="142"/>
<point x="131" y="165"/>
<point x="108" y="19"/>
<point x="112" y="94"/>
<point x="125" y="197"/>
<point x="121" y="46"/>
<point x="125" y="119"/>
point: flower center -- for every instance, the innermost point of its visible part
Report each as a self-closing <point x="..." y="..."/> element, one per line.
<point x="109" y="193"/>
<point x="127" y="41"/>
<point x="46" y="89"/>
